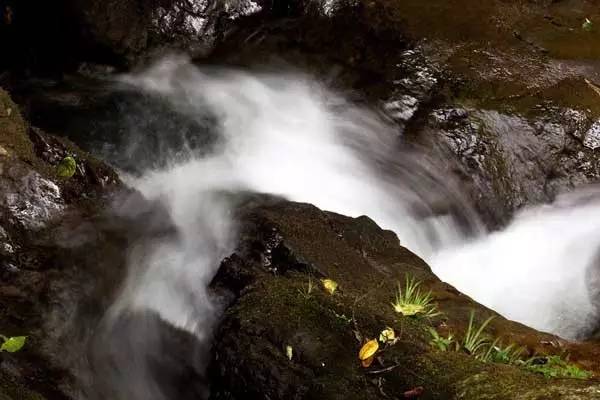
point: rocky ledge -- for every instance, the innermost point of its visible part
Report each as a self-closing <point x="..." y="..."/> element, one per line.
<point x="280" y="339"/>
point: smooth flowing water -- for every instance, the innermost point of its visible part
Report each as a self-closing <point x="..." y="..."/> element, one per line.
<point x="287" y="135"/>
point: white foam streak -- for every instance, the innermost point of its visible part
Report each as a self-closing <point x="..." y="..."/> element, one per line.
<point x="536" y="271"/>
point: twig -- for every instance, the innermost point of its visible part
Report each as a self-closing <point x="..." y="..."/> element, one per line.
<point x="383" y="371"/>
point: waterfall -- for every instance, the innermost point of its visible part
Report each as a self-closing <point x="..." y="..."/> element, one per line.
<point x="287" y="135"/>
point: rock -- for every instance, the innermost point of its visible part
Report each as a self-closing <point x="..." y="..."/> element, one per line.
<point x="29" y="199"/>
<point x="6" y="248"/>
<point x="118" y="33"/>
<point x="419" y="77"/>
<point x="575" y="122"/>
<point x="591" y="139"/>
<point x="414" y="72"/>
<point x="402" y="110"/>
<point x="267" y="312"/>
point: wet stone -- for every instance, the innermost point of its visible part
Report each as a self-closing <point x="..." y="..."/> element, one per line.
<point x="402" y="109"/>
<point x="29" y="199"/>
<point x="575" y="122"/>
<point x="448" y="117"/>
<point x="6" y="247"/>
<point x="591" y="139"/>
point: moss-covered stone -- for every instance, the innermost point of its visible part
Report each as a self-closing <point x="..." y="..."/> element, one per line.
<point x="13" y="129"/>
<point x="284" y="247"/>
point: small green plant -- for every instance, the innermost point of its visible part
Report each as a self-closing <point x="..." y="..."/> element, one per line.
<point x="510" y="354"/>
<point x="556" y="367"/>
<point x="587" y="25"/>
<point x="475" y="340"/>
<point x="12" y="344"/>
<point x="66" y="168"/>
<point x="440" y="342"/>
<point x="342" y="317"/>
<point x="412" y="302"/>
<point x="306" y="292"/>
<point x="479" y="345"/>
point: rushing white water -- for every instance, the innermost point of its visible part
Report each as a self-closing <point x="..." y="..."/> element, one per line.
<point x="283" y="135"/>
<point x="540" y="270"/>
<point x="288" y="136"/>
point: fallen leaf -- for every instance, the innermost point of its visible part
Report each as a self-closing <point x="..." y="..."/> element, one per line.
<point x="329" y="285"/>
<point x="409" y="310"/>
<point x="368" y="350"/>
<point x="289" y="352"/>
<point x="13" y="344"/>
<point x="387" y="335"/>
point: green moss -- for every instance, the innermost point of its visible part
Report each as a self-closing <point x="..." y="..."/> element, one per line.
<point x="327" y="331"/>
<point x="328" y="344"/>
<point x="13" y="129"/>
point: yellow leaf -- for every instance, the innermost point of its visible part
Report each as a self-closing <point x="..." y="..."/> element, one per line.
<point x="289" y="352"/>
<point x="387" y="335"/>
<point x="409" y="310"/>
<point x="368" y="350"/>
<point x="329" y="285"/>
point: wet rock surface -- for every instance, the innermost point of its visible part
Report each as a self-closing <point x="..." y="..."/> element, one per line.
<point x="42" y="281"/>
<point x="523" y="125"/>
<point x="49" y="39"/>
<point x="285" y="245"/>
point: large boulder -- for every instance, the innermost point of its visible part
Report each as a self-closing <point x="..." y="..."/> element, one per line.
<point x="285" y="246"/>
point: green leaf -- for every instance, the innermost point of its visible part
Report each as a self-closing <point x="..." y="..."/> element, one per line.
<point x="13" y="344"/>
<point x="67" y="167"/>
<point x="587" y="25"/>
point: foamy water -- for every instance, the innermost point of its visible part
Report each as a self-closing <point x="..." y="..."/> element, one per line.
<point x="538" y="270"/>
<point x="287" y="135"/>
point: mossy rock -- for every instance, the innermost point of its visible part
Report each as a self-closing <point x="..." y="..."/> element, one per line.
<point x="13" y="130"/>
<point x="283" y="245"/>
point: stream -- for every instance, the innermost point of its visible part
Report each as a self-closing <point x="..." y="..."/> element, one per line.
<point x="289" y="136"/>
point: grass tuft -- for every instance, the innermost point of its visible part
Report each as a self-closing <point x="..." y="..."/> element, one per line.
<point x="475" y="340"/>
<point x="411" y="301"/>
